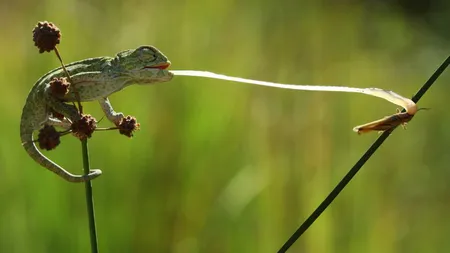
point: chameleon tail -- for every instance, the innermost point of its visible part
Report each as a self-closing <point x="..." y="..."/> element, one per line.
<point x="30" y="147"/>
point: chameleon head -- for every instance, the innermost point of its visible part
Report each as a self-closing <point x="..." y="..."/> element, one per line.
<point x="144" y="65"/>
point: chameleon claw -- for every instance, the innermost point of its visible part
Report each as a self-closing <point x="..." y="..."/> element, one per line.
<point x="118" y="118"/>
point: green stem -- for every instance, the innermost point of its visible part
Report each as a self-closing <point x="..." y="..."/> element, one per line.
<point x="89" y="198"/>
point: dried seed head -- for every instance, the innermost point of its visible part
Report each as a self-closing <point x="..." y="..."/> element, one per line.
<point x="46" y="36"/>
<point x="128" y="125"/>
<point x="59" y="86"/>
<point x="84" y="127"/>
<point x="48" y="138"/>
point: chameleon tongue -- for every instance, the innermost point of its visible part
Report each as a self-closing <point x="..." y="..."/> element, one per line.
<point x="158" y="66"/>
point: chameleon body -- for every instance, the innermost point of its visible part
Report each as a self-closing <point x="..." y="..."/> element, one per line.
<point x="94" y="79"/>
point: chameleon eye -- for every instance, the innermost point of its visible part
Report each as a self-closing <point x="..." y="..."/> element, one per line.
<point x="146" y="53"/>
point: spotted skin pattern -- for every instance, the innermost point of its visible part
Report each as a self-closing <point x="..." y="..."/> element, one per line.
<point x="94" y="79"/>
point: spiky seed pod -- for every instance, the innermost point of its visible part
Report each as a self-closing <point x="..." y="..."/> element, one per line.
<point x="48" y="138"/>
<point x="59" y="86"/>
<point x="128" y="125"/>
<point x="46" y="36"/>
<point x="84" y="127"/>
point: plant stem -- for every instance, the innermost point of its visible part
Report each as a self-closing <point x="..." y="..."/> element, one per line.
<point x="352" y="172"/>
<point x="89" y="198"/>
<point x="77" y="95"/>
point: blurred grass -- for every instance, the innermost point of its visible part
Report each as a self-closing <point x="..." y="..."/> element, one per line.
<point x="225" y="167"/>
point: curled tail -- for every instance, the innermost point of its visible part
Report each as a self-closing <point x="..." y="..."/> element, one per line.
<point x="30" y="147"/>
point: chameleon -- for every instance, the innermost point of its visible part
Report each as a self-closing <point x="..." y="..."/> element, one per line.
<point x="94" y="79"/>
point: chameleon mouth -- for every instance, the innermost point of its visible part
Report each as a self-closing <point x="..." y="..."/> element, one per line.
<point x="163" y="65"/>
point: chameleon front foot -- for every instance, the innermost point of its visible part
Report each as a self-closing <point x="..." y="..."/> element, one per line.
<point x="117" y="118"/>
<point x="114" y="117"/>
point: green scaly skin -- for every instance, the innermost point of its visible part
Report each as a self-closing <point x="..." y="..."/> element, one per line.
<point x="94" y="79"/>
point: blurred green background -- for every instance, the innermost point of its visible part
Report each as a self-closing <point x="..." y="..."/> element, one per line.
<point x="227" y="167"/>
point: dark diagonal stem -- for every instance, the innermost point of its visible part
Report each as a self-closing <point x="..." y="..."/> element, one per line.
<point x="352" y="172"/>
